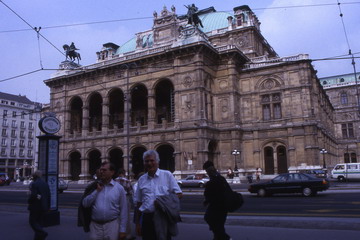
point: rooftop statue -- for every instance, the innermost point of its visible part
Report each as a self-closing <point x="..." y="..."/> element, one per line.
<point x="192" y="15"/>
<point x="70" y="52"/>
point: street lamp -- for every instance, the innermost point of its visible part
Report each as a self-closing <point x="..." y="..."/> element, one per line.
<point x="235" y="152"/>
<point x="323" y="152"/>
<point x="127" y="114"/>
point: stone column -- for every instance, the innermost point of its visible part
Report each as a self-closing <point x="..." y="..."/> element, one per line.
<point x="151" y="110"/>
<point x="85" y="120"/>
<point x="105" y="115"/>
<point x="84" y="175"/>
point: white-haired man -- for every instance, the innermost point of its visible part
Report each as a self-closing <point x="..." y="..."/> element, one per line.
<point x="151" y="190"/>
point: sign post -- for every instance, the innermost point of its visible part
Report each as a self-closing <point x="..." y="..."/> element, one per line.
<point x="48" y="163"/>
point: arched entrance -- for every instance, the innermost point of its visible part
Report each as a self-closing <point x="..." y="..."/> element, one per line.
<point x="167" y="160"/>
<point x="211" y="150"/>
<point x="76" y="106"/>
<point x="139" y="105"/>
<point x="116" y="109"/>
<point x="116" y="157"/>
<point x="94" y="161"/>
<point x="282" y="159"/>
<point x="164" y="101"/>
<point x="269" y="160"/>
<point x="75" y="166"/>
<point x="137" y="160"/>
<point x="95" y="112"/>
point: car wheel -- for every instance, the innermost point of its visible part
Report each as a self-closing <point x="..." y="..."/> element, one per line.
<point x="307" y="192"/>
<point x="261" y="192"/>
<point x="180" y="185"/>
<point x="341" y="179"/>
<point x="60" y="191"/>
<point x="201" y="185"/>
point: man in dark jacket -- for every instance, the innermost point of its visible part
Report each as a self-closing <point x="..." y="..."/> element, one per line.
<point x="39" y="204"/>
<point x="214" y="194"/>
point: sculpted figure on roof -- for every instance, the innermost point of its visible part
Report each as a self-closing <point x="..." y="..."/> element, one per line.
<point x="192" y="15"/>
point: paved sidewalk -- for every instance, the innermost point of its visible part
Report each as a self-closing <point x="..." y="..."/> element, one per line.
<point x="15" y="226"/>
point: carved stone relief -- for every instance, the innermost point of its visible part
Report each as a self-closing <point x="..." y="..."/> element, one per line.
<point x="187" y="81"/>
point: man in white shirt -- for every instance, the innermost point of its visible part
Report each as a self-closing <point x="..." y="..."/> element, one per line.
<point x="109" y="207"/>
<point x="156" y="182"/>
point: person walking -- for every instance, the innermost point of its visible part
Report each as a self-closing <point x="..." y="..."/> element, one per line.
<point x="157" y="192"/>
<point x="39" y="204"/>
<point x="108" y="206"/>
<point x="214" y="193"/>
<point x="126" y="184"/>
<point x="258" y="174"/>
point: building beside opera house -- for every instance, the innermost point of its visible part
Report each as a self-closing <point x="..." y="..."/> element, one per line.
<point x="195" y="94"/>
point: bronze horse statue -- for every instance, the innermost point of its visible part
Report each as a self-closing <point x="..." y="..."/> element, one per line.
<point x="71" y="53"/>
<point x="192" y="16"/>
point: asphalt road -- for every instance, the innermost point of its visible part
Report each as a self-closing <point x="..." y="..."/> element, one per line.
<point x="344" y="204"/>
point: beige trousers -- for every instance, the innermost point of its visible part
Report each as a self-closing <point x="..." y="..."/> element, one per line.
<point x="107" y="231"/>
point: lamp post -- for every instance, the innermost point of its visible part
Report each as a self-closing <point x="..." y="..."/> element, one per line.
<point x="235" y="152"/>
<point x="127" y="114"/>
<point x="323" y="152"/>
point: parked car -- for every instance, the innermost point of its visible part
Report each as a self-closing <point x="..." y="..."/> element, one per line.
<point x="290" y="183"/>
<point x="193" y="181"/>
<point x="62" y="184"/>
<point x="316" y="173"/>
<point x="4" y="179"/>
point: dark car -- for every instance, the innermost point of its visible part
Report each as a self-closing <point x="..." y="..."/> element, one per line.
<point x="4" y="179"/>
<point x="193" y="181"/>
<point x="290" y="183"/>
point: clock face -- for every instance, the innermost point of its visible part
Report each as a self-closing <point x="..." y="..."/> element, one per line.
<point x="50" y="125"/>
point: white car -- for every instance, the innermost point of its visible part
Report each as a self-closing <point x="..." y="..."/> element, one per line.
<point x="193" y="181"/>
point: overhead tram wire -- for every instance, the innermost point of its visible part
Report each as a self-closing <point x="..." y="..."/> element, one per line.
<point x="32" y="27"/>
<point x="352" y="56"/>
<point x="142" y="18"/>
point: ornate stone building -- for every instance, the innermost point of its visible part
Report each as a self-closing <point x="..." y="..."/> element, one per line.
<point x="193" y="94"/>
<point x="343" y="92"/>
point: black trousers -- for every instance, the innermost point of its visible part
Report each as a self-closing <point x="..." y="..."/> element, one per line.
<point x="148" y="228"/>
<point x="35" y="221"/>
<point x="216" y="219"/>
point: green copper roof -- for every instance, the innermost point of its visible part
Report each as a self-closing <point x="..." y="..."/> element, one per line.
<point x="339" y="80"/>
<point x="211" y="21"/>
<point x="214" y="20"/>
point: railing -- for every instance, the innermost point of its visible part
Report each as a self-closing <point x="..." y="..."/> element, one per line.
<point x="264" y="61"/>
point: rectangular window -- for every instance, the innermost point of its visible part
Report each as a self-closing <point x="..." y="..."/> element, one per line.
<point x="22" y="124"/>
<point x="5" y="123"/>
<point x="4" y="133"/>
<point x="13" y="142"/>
<point x="21" y="152"/>
<point x="5" y="113"/>
<point x="29" y="153"/>
<point x="266" y="112"/>
<point x="347" y="130"/>
<point x="3" y="142"/>
<point x="30" y="144"/>
<point x="22" y="115"/>
<point x="14" y="114"/>
<point x="12" y="152"/>
<point x="13" y="123"/>
<point x="30" y="134"/>
<point x="31" y="126"/>
<point x="3" y="151"/>
<point x="271" y="106"/>
<point x="13" y="133"/>
<point x="22" y="143"/>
